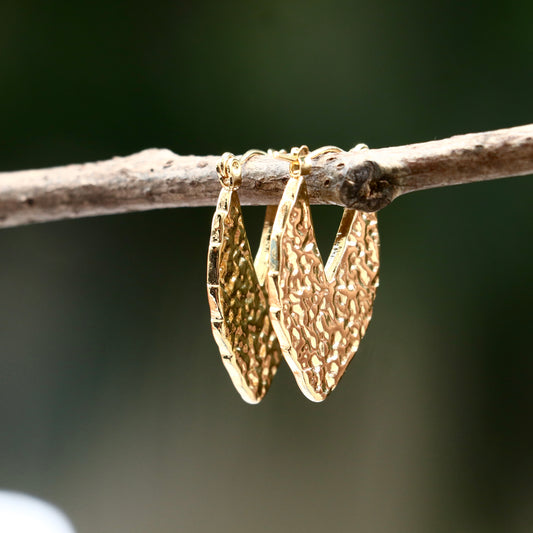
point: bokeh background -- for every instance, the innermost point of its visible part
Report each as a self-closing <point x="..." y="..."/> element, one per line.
<point x="114" y="404"/>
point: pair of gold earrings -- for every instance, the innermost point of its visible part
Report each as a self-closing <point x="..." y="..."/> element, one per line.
<point x="286" y="304"/>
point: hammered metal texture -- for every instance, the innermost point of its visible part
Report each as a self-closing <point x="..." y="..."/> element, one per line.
<point x="238" y="300"/>
<point x="320" y="313"/>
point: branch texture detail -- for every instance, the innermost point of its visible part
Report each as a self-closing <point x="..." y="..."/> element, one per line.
<point x="156" y="178"/>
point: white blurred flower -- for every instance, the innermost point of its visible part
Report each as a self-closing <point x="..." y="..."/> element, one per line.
<point x="20" y="513"/>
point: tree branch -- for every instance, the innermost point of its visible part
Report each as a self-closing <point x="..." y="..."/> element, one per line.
<point x="155" y="178"/>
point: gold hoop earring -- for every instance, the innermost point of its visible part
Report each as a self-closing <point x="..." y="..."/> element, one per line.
<point x="236" y="289"/>
<point x="319" y="314"/>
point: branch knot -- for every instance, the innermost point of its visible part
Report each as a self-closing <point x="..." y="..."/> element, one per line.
<point x="366" y="187"/>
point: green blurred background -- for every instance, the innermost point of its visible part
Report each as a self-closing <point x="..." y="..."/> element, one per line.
<point x="114" y="404"/>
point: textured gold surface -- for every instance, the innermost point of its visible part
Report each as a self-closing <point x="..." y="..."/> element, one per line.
<point x="238" y="300"/>
<point x="320" y="313"/>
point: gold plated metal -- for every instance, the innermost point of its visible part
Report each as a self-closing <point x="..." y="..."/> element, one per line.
<point x="319" y="313"/>
<point x="236" y="289"/>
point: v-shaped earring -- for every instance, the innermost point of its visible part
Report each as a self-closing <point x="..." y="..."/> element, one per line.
<point x="319" y="313"/>
<point x="236" y="290"/>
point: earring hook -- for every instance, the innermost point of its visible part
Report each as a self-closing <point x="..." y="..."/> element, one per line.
<point x="229" y="168"/>
<point x="299" y="164"/>
<point x="229" y="171"/>
<point x="325" y="150"/>
<point x="251" y="153"/>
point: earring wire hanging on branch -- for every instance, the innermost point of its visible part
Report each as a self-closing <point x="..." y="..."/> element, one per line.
<point x="319" y="313"/>
<point x="236" y="291"/>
